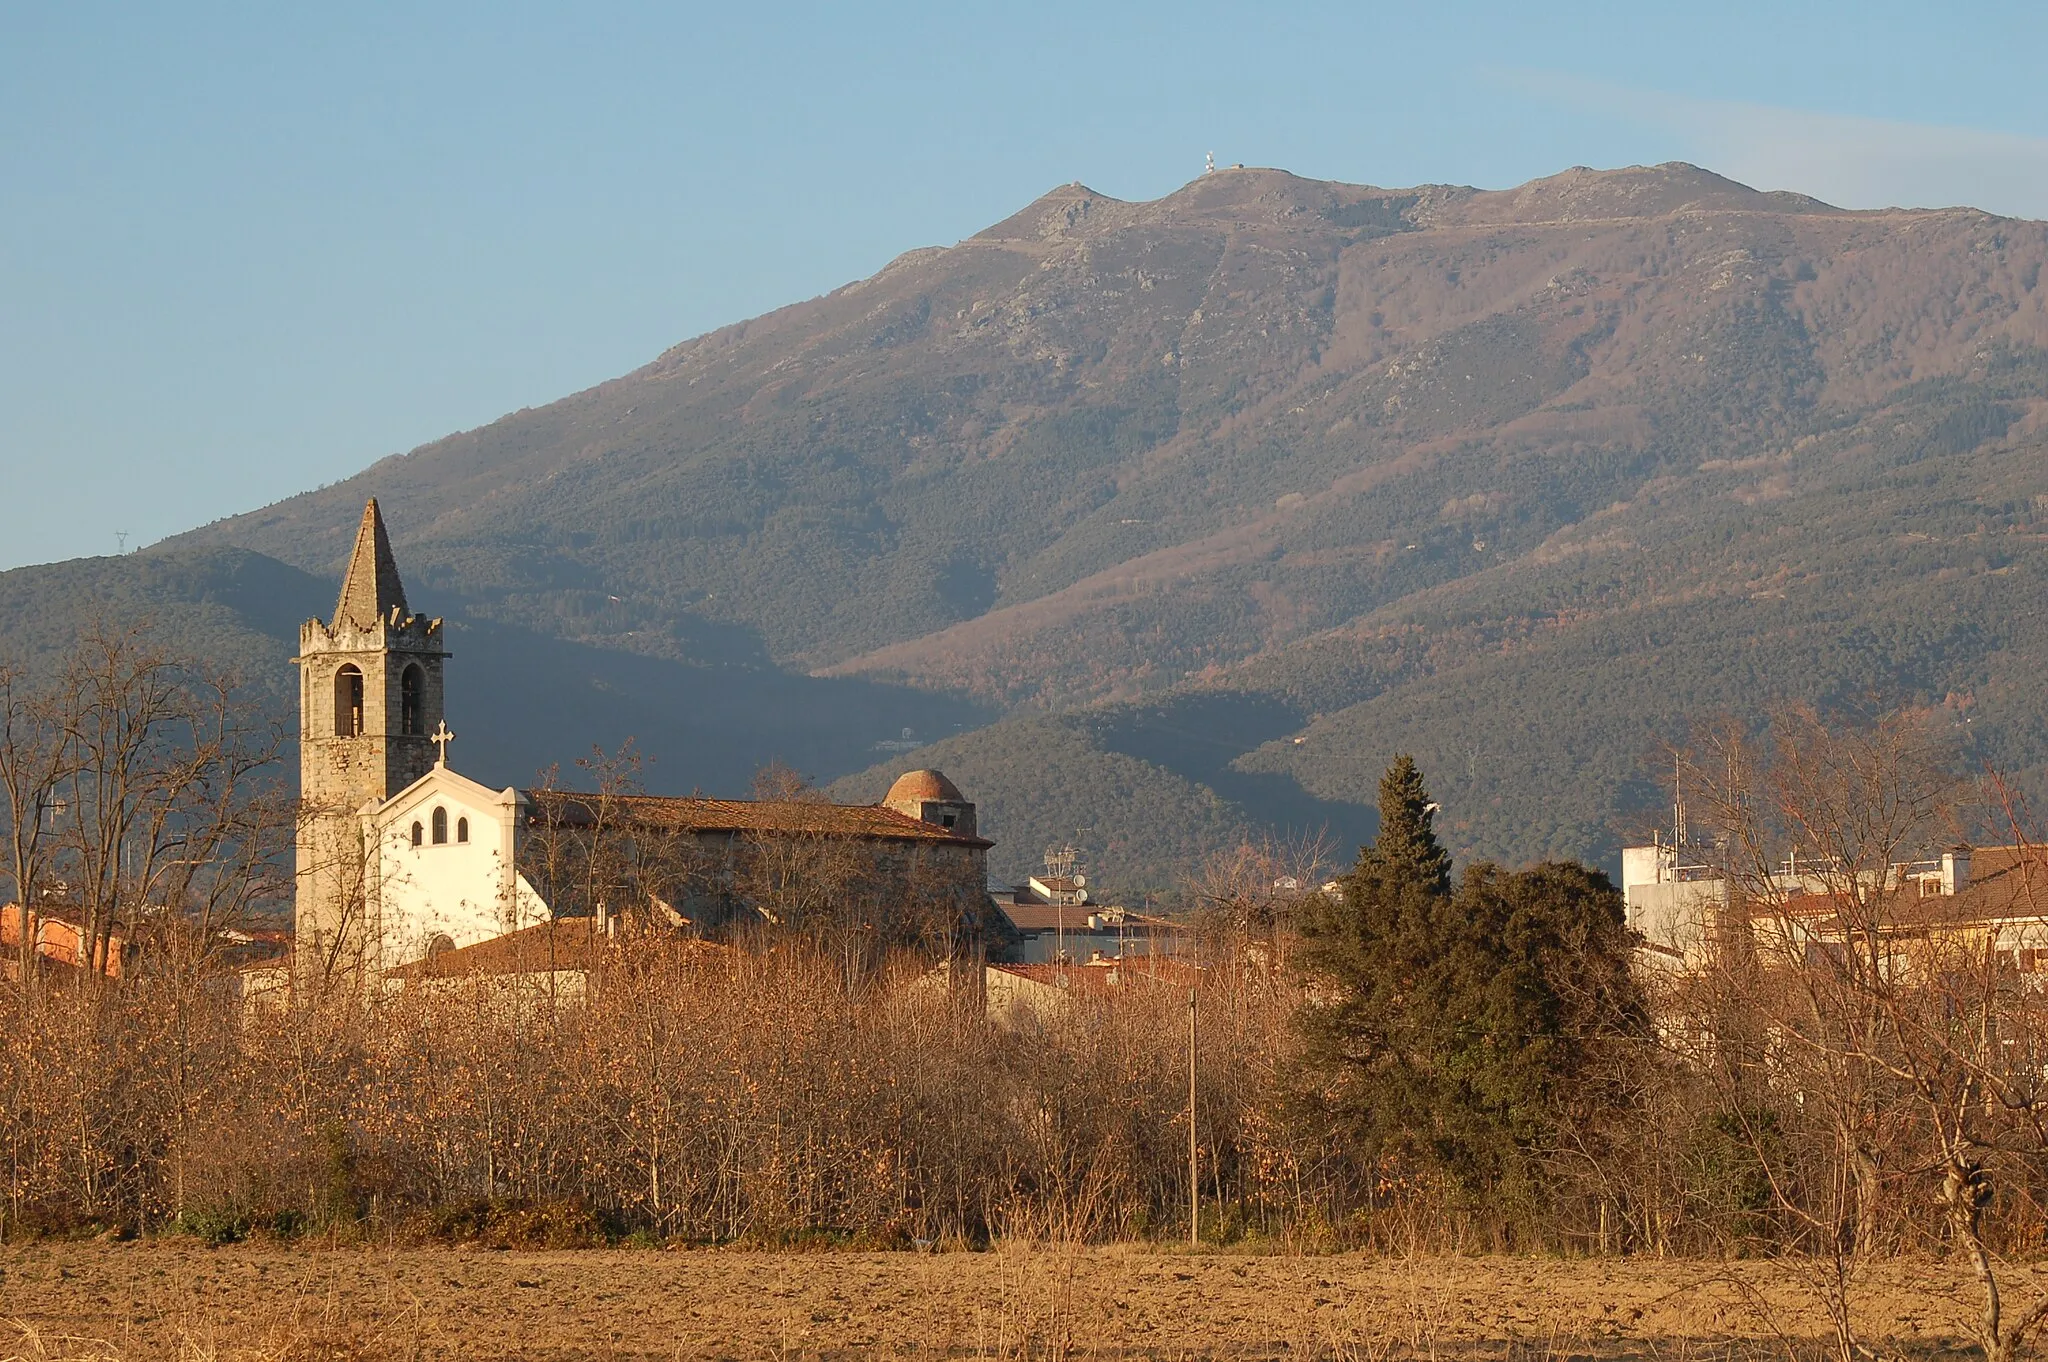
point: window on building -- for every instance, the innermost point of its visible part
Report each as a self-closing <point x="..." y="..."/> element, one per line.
<point x="440" y="827"/>
<point x="348" y="702"/>
<point x="462" y="829"/>
<point x="411" y="683"/>
<point x="417" y="835"/>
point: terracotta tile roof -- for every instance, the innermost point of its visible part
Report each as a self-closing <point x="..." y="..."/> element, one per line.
<point x="572" y="944"/>
<point x="2005" y="883"/>
<point x="1045" y="917"/>
<point x="796" y="817"/>
<point x="925" y="784"/>
<point x="1080" y="978"/>
<point x="569" y="943"/>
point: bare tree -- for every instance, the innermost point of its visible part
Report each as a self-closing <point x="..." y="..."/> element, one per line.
<point x="1874" y="1045"/>
<point x="33" y="758"/>
<point x="1247" y="895"/>
<point x="168" y="809"/>
<point x="144" y="788"/>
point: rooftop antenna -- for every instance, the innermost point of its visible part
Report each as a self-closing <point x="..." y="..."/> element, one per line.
<point x="1677" y="804"/>
<point x="1061" y="862"/>
<point x="1210" y="167"/>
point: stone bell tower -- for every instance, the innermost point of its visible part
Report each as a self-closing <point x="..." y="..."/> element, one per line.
<point x="369" y="697"/>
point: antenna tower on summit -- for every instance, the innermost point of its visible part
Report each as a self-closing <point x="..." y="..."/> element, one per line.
<point x="1210" y="167"/>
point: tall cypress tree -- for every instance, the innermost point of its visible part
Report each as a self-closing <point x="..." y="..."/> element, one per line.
<point x="1407" y="848"/>
<point x="1379" y="951"/>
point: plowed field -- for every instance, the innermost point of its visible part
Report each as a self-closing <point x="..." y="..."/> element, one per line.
<point x="176" y="1300"/>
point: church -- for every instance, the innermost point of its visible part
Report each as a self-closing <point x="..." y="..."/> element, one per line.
<point x="401" y="858"/>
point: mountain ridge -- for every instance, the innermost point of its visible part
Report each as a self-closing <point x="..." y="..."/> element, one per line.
<point x="1320" y="464"/>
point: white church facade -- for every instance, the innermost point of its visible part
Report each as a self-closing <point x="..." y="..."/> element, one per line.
<point x="446" y="868"/>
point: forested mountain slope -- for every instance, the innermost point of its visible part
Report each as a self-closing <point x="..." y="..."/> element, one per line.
<point x="519" y="701"/>
<point x="1230" y="494"/>
<point x="1868" y="566"/>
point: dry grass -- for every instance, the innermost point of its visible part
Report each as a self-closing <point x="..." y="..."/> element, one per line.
<point x="31" y="1344"/>
<point x="1022" y="1302"/>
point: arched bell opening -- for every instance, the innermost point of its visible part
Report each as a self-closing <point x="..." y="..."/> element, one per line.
<point x="412" y="685"/>
<point x="348" y="701"/>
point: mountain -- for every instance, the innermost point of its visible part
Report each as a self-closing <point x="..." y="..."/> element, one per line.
<point x="521" y="701"/>
<point x="1221" y="499"/>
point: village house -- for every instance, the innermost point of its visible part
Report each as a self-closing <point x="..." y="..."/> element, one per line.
<point x="1052" y="918"/>
<point x="1020" y="996"/>
<point x="1051" y="933"/>
<point x="1679" y="902"/>
<point x="60" y="939"/>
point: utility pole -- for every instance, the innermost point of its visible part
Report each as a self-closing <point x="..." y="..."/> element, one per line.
<point x="1194" y="1149"/>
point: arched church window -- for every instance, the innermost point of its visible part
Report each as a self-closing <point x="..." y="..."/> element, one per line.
<point x="417" y="835"/>
<point x="440" y="826"/>
<point x="462" y="829"/>
<point x="348" y="702"/>
<point x="411" y="720"/>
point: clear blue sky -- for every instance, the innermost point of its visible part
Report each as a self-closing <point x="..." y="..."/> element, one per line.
<point x="245" y="250"/>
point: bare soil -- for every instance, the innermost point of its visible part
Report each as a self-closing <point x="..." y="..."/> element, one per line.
<point x="176" y="1299"/>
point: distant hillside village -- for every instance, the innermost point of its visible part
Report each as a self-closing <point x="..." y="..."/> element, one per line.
<point x="407" y="870"/>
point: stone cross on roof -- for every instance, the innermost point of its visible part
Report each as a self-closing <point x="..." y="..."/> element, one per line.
<point x="441" y="737"/>
<point x="371" y="590"/>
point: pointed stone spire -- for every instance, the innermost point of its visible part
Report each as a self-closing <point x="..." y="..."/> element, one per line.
<point x="371" y="589"/>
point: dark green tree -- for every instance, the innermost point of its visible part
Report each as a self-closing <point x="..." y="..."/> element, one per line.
<point x="1471" y="1029"/>
<point x="1407" y="845"/>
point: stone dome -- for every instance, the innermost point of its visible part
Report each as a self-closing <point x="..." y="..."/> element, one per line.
<point x="916" y="787"/>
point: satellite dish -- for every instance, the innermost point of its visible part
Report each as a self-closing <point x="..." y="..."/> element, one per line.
<point x="1080" y="881"/>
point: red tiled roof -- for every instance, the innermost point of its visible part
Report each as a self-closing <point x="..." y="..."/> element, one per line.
<point x="2004" y="883"/>
<point x="1045" y="917"/>
<point x="794" y="817"/>
<point x="574" y="944"/>
<point x="926" y="784"/>
<point x="1093" y="979"/>
<point x="2007" y="882"/>
<point x="570" y="943"/>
